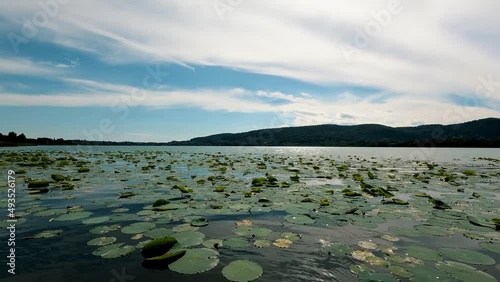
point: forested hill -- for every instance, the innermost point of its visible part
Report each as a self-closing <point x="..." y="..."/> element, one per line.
<point x="478" y="133"/>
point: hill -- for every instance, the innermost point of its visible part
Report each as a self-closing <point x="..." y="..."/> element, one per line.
<point x="478" y="133"/>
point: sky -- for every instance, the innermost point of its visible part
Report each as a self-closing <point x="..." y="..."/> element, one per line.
<point x="174" y="70"/>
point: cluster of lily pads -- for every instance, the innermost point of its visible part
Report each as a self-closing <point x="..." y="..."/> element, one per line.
<point x="181" y="192"/>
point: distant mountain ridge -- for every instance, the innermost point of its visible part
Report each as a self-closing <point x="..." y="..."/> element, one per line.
<point x="477" y="133"/>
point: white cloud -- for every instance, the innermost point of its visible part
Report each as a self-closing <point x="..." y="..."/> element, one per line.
<point x="20" y="66"/>
<point x="425" y="50"/>
<point x="345" y="108"/>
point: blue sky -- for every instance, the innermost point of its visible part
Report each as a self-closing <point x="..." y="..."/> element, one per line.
<point x="174" y="70"/>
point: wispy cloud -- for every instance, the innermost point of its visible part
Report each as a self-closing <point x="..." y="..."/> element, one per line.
<point x="427" y="49"/>
<point x="345" y="108"/>
<point x="20" y="66"/>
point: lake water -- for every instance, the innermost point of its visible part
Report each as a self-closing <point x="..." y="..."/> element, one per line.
<point x="305" y="225"/>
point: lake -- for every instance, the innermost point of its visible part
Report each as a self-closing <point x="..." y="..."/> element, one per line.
<point x="252" y="213"/>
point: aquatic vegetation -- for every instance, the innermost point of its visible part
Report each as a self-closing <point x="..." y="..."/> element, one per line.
<point x="242" y="271"/>
<point x="251" y="210"/>
<point x="38" y="183"/>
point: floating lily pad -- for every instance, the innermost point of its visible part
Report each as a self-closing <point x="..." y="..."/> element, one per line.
<point x="96" y="220"/>
<point x="101" y="241"/>
<point x="423" y="253"/>
<point x="242" y="271"/>
<point x="244" y="222"/>
<point x="282" y="243"/>
<point x="189" y="238"/>
<point x="428" y="273"/>
<point x="213" y="243"/>
<point x="199" y="222"/>
<point x="262" y="243"/>
<point x="290" y="236"/>
<point x="195" y="261"/>
<point x="490" y="246"/>
<point x="236" y="242"/>
<point x="367" y="245"/>
<point x="104" y="229"/>
<point x="299" y="219"/>
<point x="118" y="252"/>
<point x="362" y="255"/>
<point x="138" y="227"/>
<point x="185" y="227"/>
<point x="464" y="272"/>
<point x="400" y="271"/>
<point x="73" y="216"/>
<point x="389" y="238"/>
<point x="336" y="249"/>
<point x="467" y="256"/>
<point x="158" y="233"/>
<point x="48" y="234"/>
<point x="158" y="247"/>
<point x="371" y="276"/>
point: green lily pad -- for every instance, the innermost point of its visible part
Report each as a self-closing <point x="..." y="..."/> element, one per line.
<point x="96" y="220"/>
<point x="467" y="256"/>
<point x="213" y="243"/>
<point x="371" y="276"/>
<point x="428" y="273"/>
<point x="400" y="271"/>
<point x="423" y="253"/>
<point x="199" y="222"/>
<point x="104" y="229"/>
<point x="189" y="238"/>
<point x="235" y="242"/>
<point x="242" y="271"/>
<point x="158" y="247"/>
<point x="336" y="249"/>
<point x="73" y="216"/>
<point x="118" y="252"/>
<point x="262" y="243"/>
<point x="195" y="261"/>
<point x="464" y="272"/>
<point x="138" y="227"/>
<point x="490" y="246"/>
<point x="48" y="234"/>
<point x="299" y="219"/>
<point x="290" y="236"/>
<point x="101" y="241"/>
<point x="158" y="233"/>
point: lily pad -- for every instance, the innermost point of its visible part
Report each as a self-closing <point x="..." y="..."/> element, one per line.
<point x="242" y="271"/>
<point x="96" y="220"/>
<point x="73" y="216"/>
<point x="464" y="272"/>
<point x="423" y="253"/>
<point x="299" y="219"/>
<point x="236" y="242"/>
<point x="138" y="227"/>
<point x="262" y="243"/>
<point x="189" y="238"/>
<point x="195" y="261"/>
<point x="467" y="256"/>
<point x="282" y="243"/>
<point x="158" y="233"/>
<point x="101" y="241"/>
<point x="48" y="234"/>
<point x="490" y="246"/>
<point x="158" y="247"/>
<point x="104" y="229"/>
<point x="400" y="271"/>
